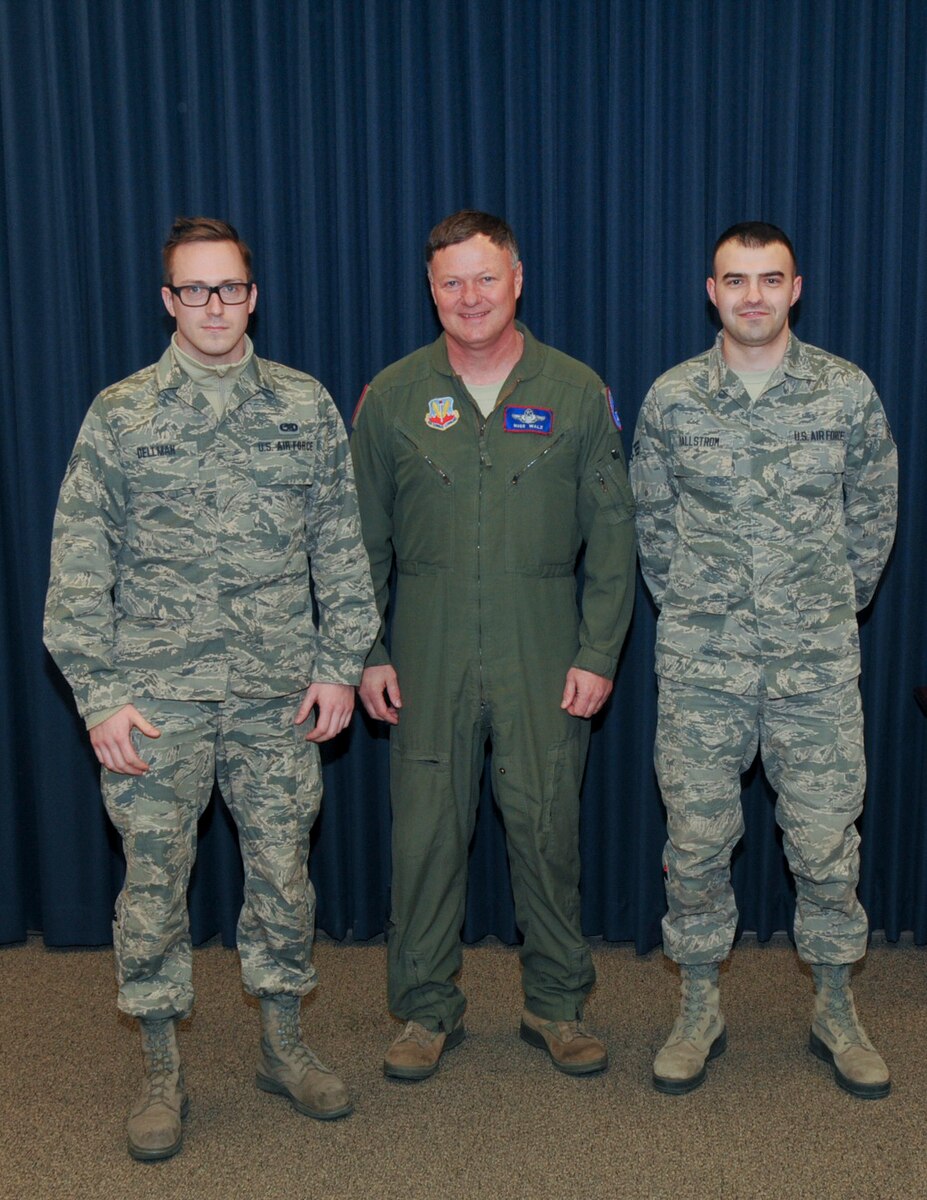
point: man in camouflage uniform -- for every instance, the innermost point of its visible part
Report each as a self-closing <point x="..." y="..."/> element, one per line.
<point x="765" y="477"/>
<point x="202" y="494"/>
<point x="484" y="461"/>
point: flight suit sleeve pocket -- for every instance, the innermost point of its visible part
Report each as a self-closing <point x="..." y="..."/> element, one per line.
<point x="609" y="484"/>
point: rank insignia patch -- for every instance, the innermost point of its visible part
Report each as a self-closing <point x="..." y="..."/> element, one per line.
<point x="528" y="420"/>
<point x="441" y="413"/>
<point x="612" y="409"/>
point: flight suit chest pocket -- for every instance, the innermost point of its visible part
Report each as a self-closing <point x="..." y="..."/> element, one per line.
<point x="423" y="513"/>
<point x="541" y="528"/>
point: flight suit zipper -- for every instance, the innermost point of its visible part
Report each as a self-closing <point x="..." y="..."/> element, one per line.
<point x="439" y="471"/>
<point x="544" y="453"/>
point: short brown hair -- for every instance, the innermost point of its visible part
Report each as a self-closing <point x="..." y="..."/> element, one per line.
<point x="468" y="223"/>
<point x="754" y="235"/>
<point x="201" y="229"/>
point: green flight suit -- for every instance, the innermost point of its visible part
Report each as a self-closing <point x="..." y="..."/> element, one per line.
<point x="485" y="518"/>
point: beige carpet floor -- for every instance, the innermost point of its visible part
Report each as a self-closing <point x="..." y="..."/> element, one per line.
<point x="496" y="1121"/>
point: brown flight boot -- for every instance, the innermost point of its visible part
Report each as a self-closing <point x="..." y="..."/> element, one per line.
<point x="571" y="1047"/>
<point x="416" y="1052"/>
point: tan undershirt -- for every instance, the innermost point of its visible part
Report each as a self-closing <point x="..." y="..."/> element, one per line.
<point x="485" y="395"/>
<point x="754" y="381"/>
<point x="215" y="380"/>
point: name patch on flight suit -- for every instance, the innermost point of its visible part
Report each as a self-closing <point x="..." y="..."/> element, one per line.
<point x="528" y="420"/>
<point x="441" y="413"/>
<point x="159" y="450"/>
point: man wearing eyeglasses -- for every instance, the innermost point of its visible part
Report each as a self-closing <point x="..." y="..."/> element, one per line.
<point x="202" y="495"/>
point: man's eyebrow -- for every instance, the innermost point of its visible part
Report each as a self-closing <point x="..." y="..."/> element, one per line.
<point x="741" y="274"/>
<point x="203" y="283"/>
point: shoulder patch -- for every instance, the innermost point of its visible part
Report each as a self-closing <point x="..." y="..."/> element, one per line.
<point x="359" y="405"/>
<point x="612" y="410"/>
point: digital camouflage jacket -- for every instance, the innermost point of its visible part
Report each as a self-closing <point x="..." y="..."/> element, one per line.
<point x="183" y="549"/>
<point x="763" y="526"/>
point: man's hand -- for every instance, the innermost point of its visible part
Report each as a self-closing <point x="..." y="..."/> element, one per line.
<point x="380" y="695"/>
<point x="585" y="692"/>
<point x="112" y="741"/>
<point x="335" y="702"/>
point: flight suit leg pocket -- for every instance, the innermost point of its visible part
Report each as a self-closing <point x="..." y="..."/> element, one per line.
<point x="557" y="816"/>
<point x="421" y="797"/>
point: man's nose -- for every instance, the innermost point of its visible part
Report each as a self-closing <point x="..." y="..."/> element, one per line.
<point x="214" y="305"/>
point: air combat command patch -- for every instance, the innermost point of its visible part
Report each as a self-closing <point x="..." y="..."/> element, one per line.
<point x="441" y="413"/>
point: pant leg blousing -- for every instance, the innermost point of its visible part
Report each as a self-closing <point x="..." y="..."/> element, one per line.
<point x="811" y="746"/>
<point x="270" y="778"/>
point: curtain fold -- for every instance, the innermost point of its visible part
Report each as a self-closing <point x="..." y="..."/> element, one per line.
<point x="618" y="137"/>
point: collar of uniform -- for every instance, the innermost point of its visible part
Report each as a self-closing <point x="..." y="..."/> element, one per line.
<point x="794" y="362"/>
<point x="530" y="363"/>
<point x="252" y="379"/>
<point x="211" y="374"/>
<point x="718" y="368"/>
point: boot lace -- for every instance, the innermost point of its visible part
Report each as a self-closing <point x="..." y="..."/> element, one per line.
<point x="843" y="1019"/>
<point x="693" y="1011"/>
<point x="567" y="1031"/>
<point x="290" y="1044"/>
<point x="414" y="1032"/>
<point x="159" y="1054"/>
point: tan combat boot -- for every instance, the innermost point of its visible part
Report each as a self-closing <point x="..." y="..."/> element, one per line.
<point x="838" y="1038"/>
<point x="698" y="1035"/>
<point x="154" y="1126"/>
<point x="289" y="1068"/>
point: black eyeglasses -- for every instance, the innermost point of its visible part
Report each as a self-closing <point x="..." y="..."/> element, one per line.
<point x="196" y="295"/>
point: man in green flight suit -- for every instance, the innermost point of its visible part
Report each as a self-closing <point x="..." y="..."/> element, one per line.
<point x="203" y="494"/>
<point x="483" y="463"/>
<point x="765" y="477"/>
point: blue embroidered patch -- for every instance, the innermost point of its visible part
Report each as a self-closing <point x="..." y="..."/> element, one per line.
<point x="528" y="420"/>
<point x="612" y="409"/>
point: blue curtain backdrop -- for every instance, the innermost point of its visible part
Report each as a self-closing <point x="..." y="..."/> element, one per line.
<point x="618" y="137"/>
